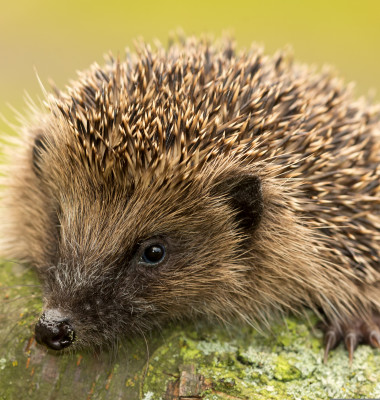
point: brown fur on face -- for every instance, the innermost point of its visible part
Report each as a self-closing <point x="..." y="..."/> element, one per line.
<point x="259" y="177"/>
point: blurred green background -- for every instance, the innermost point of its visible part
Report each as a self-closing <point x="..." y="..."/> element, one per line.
<point x="59" y="37"/>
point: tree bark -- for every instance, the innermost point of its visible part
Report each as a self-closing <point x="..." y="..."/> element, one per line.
<point x="185" y="362"/>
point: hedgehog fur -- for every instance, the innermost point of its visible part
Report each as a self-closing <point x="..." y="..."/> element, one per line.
<point x="256" y="179"/>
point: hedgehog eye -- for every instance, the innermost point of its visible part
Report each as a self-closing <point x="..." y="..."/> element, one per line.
<point x="153" y="254"/>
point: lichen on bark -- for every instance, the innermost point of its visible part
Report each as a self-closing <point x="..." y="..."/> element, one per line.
<point x="195" y="360"/>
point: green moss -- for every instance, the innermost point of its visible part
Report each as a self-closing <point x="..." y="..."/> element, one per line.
<point x="245" y="366"/>
<point x="240" y="363"/>
<point x="284" y="371"/>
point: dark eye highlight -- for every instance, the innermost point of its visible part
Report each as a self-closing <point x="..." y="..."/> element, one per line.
<point x="153" y="254"/>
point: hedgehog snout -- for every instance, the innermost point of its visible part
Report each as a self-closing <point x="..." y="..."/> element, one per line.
<point x="54" y="330"/>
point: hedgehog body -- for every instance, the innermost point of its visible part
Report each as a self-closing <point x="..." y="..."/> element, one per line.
<point x="199" y="181"/>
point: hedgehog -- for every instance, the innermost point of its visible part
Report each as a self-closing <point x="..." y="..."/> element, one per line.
<point x="196" y="180"/>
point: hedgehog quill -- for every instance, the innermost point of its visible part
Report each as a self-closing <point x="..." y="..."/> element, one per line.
<point x="198" y="181"/>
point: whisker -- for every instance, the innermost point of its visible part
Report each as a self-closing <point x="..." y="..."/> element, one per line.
<point x="9" y="336"/>
<point x="14" y="261"/>
<point x="17" y="286"/>
<point x="32" y="296"/>
<point x="148" y="359"/>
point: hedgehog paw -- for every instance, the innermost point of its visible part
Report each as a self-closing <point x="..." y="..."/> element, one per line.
<point x="352" y="334"/>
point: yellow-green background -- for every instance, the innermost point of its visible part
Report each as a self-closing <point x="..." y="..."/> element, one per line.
<point x="59" y="37"/>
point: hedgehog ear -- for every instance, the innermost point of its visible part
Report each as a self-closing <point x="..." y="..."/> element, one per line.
<point x="244" y="194"/>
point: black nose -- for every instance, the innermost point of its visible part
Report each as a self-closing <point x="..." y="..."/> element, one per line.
<point x="54" y="330"/>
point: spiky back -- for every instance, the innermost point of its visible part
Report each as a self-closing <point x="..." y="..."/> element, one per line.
<point x="197" y="101"/>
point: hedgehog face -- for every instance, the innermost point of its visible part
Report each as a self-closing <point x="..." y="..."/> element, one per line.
<point x="127" y="257"/>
